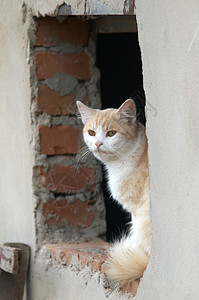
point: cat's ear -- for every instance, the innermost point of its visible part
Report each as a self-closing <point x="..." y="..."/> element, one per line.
<point x="127" y="111"/>
<point x="86" y="112"/>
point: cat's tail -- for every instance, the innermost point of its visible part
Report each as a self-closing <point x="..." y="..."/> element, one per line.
<point x="125" y="264"/>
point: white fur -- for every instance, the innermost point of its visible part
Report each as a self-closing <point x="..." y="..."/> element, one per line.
<point x="117" y="174"/>
<point x="121" y="169"/>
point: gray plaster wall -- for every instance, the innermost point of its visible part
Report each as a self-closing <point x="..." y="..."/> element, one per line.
<point x="82" y="7"/>
<point x="169" y="39"/>
<point x="56" y="282"/>
<point x="16" y="203"/>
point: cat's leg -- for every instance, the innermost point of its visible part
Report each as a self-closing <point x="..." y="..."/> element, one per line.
<point x="141" y="231"/>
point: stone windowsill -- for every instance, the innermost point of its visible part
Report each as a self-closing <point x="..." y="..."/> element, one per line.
<point x="91" y="254"/>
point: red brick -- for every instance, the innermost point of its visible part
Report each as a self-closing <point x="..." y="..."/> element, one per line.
<point x="67" y="179"/>
<point x="61" y="212"/>
<point x="59" y="139"/>
<point x="75" y="64"/>
<point x="92" y="254"/>
<point x="52" y="103"/>
<point x="52" y="32"/>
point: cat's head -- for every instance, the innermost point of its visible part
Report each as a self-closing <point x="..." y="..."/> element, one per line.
<point x="109" y="133"/>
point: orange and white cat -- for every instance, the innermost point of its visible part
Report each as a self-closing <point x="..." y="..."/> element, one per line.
<point x="119" y="141"/>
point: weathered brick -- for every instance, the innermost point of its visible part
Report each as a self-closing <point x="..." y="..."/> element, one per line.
<point x="52" y="32"/>
<point x="61" y="212"/>
<point x="131" y="288"/>
<point x="67" y="179"/>
<point x="75" y="64"/>
<point x="52" y="103"/>
<point x="59" y="139"/>
<point x="92" y="254"/>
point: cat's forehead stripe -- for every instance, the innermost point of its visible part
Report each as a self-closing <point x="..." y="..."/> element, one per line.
<point x="105" y="119"/>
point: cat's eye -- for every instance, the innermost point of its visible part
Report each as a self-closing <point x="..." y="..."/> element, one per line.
<point x="111" y="133"/>
<point x="91" y="132"/>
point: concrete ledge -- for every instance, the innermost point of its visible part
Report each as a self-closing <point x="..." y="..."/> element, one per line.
<point x="91" y="254"/>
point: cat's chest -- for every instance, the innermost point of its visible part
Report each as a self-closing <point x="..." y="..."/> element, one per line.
<point x="115" y="184"/>
<point x="117" y="176"/>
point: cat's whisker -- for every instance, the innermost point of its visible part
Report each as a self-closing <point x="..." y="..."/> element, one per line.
<point x="115" y="152"/>
<point x="80" y="155"/>
<point x="82" y="151"/>
<point x="84" y="155"/>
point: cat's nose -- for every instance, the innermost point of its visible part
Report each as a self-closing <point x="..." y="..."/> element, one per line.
<point x="98" y="144"/>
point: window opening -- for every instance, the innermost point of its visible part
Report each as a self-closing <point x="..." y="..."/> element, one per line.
<point x="119" y="61"/>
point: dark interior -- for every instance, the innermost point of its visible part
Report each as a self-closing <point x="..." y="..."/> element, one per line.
<point x="119" y="61"/>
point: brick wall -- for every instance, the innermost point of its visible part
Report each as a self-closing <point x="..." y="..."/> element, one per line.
<point x="68" y="198"/>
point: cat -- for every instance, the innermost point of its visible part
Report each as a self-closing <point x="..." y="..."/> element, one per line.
<point x="119" y="141"/>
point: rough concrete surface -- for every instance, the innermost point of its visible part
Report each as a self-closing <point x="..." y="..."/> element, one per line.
<point x="82" y="7"/>
<point x="63" y="83"/>
<point x="16" y="213"/>
<point x="69" y="283"/>
<point x="169" y="40"/>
